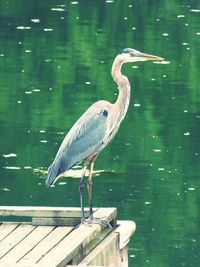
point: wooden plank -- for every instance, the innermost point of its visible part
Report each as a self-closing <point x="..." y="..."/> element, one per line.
<point x="85" y="250"/>
<point x="72" y="244"/>
<point x="20" y="265"/>
<point x="17" y="222"/>
<point x="29" y="211"/>
<point x="105" y="254"/>
<point x="56" y="221"/>
<point x="50" y="241"/>
<point x="36" y="265"/>
<point x="77" y="241"/>
<point x="6" y="229"/>
<point x="125" y="230"/>
<point x="112" y="250"/>
<point x="14" y="238"/>
<point x="27" y="244"/>
<point x="107" y="214"/>
<point x="83" y="265"/>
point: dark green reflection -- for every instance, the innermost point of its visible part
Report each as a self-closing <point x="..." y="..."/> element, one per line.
<point x="55" y="61"/>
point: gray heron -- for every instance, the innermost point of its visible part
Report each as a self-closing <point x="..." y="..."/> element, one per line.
<point x="95" y="129"/>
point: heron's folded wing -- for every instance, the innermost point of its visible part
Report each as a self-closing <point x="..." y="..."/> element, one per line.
<point x="84" y="139"/>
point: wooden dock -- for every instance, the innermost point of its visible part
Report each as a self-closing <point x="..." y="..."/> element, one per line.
<point x="52" y="237"/>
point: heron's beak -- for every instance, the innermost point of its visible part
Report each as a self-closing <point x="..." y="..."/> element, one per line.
<point x="144" y="56"/>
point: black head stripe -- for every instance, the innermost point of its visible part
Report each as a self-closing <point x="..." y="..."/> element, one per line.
<point x="125" y="51"/>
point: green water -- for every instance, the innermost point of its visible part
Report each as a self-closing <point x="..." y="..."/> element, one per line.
<point x="55" y="61"/>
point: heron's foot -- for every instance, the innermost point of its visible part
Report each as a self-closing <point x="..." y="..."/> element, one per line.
<point x="102" y="222"/>
<point x="90" y="221"/>
<point x="83" y="222"/>
<point x="86" y="222"/>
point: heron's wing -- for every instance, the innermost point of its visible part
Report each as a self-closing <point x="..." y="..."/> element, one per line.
<point x="84" y="139"/>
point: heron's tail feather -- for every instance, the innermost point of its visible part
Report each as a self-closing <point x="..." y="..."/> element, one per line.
<point x="58" y="167"/>
<point x="51" y="177"/>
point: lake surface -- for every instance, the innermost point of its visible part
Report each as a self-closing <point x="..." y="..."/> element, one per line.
<point x="55" y="61"/>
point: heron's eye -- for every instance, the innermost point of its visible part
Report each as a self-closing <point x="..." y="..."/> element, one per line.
<point x="103" y="112"/>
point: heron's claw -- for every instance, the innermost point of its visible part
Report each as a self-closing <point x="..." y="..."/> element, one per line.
<point x="84" y="222"/>
<point x="87" y="223"/>
<point x="102" y="222"/>
<point x="90" y="221"/>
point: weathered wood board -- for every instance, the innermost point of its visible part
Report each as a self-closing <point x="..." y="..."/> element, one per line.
<point x="44" y="243"/>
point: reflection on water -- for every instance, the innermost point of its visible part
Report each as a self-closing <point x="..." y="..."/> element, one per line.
<point x="75" y="172"/>
<point x="55" y="60"/>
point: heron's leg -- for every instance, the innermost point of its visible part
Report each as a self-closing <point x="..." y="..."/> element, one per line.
<point x="89" y="186"/>
<point x="100" y="221"/>
<point x="81" y="191"/>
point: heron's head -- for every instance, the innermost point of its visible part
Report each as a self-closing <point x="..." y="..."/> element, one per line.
<point x="132" y="55"/>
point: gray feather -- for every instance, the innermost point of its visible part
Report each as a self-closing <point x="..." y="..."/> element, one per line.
<point x="84" y="139"/>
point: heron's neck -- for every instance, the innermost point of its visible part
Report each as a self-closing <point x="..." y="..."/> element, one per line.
<point x="123" y="86"/>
